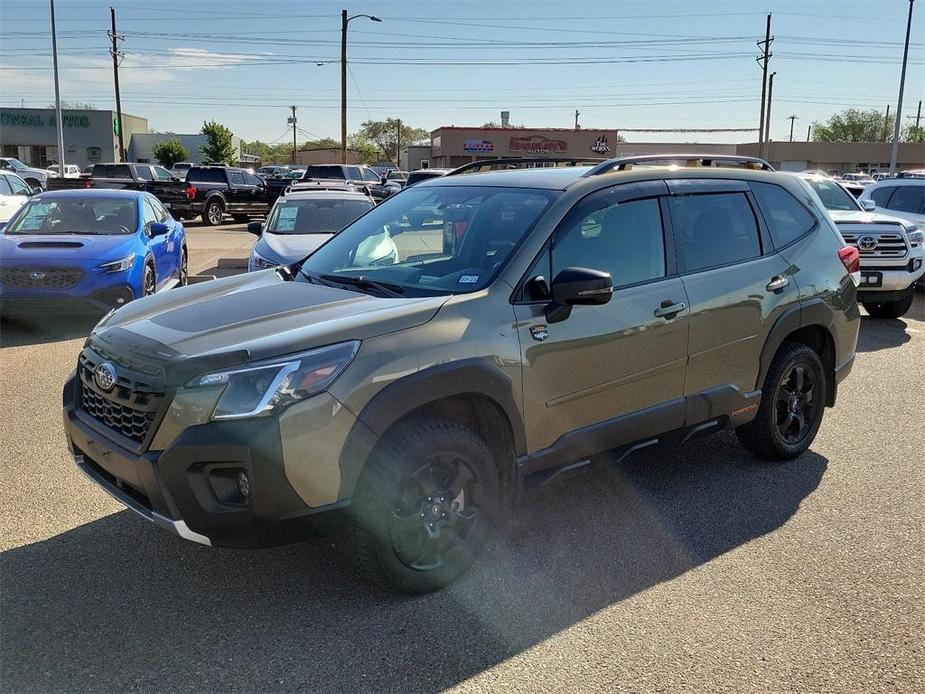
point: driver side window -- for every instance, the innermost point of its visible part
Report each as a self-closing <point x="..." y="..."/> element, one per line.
<point x="625" y="239"/>
<point x="149" y="215"/>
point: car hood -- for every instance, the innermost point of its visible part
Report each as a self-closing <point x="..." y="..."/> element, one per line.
<point x="66" y="248"/>
<point x="858" y="217"/>
<point x="38" y="173"/>
<point x="288" y="248"/>
<point x="255" y="316"/>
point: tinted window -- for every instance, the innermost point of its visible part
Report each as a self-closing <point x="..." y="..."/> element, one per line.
<point x="5" y="187"/>
<point x="206" y="175"/>
<point x="370" y="175"/>
<point x="881" y="195"/>
<point x="714" y="229"/>
<point x="354" y="174"/>
<point x="111" y="171"/>
<point x="907" y="199"/>
<point x="144" y="173"/>
<point x="252" y="180"/>
<point x="624" y="239"/>
<point x="786" y="218"/>
<point x="236" y="178"/>
<point x="324" y="172"/>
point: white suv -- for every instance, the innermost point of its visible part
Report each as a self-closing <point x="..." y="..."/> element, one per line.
<point x="891" y="246"/>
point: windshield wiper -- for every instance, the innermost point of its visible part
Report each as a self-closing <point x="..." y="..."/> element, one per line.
<point x="361" y="282"/>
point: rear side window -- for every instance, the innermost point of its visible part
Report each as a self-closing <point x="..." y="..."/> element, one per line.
<point x="252" y="180"/>
<point x="144" y="173"/>
<point x="236" y="178"/>
<point x="787" y="219"/>
<point x="111" y="171"/>
<point x="882" y="195"/>
<point x="907" y="199"/>
<point x="206" y="176"/>
<point x="714" y="229"/>
<point x="324" y="172"/>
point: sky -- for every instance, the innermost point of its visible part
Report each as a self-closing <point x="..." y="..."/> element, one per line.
<point x="622" y="63"/>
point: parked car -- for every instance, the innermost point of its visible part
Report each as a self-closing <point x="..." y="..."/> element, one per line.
<point x="424" y="175"/>
<point x="36" y="178"/>
<point x="892" y="250"/>
<point x="899" y="197"/>
<point x="145" y="177"/>
<point x="295" y="174"/>
<point x="14" y="192"/>
<point x="545" y="316"/>
<point x="300" y="222"/>
<point x="880" y="176"/>
<point x="860" y="178"/>
<point x="267" y="171"/>
<point x="89" y="251"/>
<point x="359" y="175"/>
<point x="70" y="171"/>
<point x="214" y="191"/>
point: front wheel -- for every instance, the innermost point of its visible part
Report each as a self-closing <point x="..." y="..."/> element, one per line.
<point x="213" y="213"/>
<point x="890" y="309"/>
<point x="183" y="270"/>
<point x="425" y="505"/>
<point x="793" y="400"/>
<point x="148" y="282"/>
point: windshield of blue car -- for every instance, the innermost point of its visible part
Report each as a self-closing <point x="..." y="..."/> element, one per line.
<point x="315" y="216"/>
<point x="833" y="196"/>
<point x="101" y="216"/>
<point x="433" y="240"/>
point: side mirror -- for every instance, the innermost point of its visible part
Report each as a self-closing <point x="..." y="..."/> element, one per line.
<point x="578" y="286"/>
<point x="383" y="180"/>
<point x="158" y="229"/>
<point x="868" y="205"/>
<point x="256" y="228"/>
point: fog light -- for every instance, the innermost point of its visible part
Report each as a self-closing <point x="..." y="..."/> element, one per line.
<point x="244" y="485"/>
<point x="917" y="263"/>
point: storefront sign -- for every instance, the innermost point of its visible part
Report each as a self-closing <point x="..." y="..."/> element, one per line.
<point x="537" y="143"/>
<point x="600" y="145"/>
<point x="38" y="120"/>
<point x="476" y="146"/>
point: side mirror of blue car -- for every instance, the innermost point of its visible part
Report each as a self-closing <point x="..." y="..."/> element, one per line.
<point x="158" y="229"/>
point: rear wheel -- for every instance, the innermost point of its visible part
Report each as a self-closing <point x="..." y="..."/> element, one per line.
<point x="213" y="213"/>
<point x="793" y="400"/>
<point x="425" y="505"/>
<point x="890" y="309"/>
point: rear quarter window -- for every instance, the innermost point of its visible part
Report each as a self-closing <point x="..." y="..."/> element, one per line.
<point x="907" y="198"/>
<point x="111" y="171"/>
<point x="882" y="195"/>
<point x="786" y="218"/>
<point x="714" y="229"/>
<point x="206" y="176"/>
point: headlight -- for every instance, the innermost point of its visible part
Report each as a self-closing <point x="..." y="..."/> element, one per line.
<point x="262" y="263"/>
<point x="118" y="265"/>
<point x="260" y="388"/>
<point x="915" y="235"/>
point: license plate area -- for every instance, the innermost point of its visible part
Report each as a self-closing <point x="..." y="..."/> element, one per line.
<point x="871" y="279"/>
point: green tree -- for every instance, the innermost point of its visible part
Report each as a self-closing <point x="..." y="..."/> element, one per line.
<point x="855" y="125"/>
<point x="169" y="152"/>
<point x="914" y="134"/>
<point x="220" y="148"/>
<point x="370" y="151"/>
<point x="384" y="134"/>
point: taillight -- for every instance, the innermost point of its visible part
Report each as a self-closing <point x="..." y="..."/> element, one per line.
<point x="90" y="183"/>
<point x="851" y="259"/>
<point x="191" y="193"/>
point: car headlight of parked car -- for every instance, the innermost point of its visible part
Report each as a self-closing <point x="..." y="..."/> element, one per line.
<point x="261" y="263"/>
<point x="915" y="236"/>
<point x="118" y="265"/>
<point x="260" y="388"/>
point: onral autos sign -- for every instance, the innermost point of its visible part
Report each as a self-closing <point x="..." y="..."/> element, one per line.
<point x="537" y="143"/>
<point x="477" y="146"/>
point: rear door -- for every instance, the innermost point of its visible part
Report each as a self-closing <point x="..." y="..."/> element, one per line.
<point x="627" y="356"/>
<point x="737" y="285"/>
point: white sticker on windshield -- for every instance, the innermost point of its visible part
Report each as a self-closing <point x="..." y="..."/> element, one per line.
<point x="468" y="279"/>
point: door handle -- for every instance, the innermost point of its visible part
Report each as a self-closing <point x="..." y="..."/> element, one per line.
<point x="669" y="309"/>
<point x="777" y="283"/>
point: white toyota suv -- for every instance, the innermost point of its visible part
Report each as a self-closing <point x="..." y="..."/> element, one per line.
<point x="892" y="248"/>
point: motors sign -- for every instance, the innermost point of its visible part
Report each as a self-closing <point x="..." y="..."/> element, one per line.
<point x="537" y="144"/>
<point x="37" y="120"/>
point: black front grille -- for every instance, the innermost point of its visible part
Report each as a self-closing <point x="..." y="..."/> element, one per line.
<point x="40" y="278"/>
<point x="132" y="423"/>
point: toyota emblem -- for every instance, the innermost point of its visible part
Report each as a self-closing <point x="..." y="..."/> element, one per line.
<point x="104" y="376"/>
<point x="867" y="243"/>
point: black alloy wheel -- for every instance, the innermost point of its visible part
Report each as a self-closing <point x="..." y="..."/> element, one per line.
<point x="796" y="404"/>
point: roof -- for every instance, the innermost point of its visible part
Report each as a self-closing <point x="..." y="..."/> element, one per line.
<point x="550" y="178"/>
<point x="326" y="194"/>
<point x="91" y="193"/>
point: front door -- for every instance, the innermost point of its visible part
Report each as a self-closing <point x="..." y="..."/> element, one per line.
<point x="156" y="244"/>
<point x="627" y="356"/>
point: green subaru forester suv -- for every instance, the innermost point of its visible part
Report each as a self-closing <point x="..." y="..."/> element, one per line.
<point x="467" y="340"/>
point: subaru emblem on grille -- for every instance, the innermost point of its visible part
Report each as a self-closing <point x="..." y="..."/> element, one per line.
<point x="104" y="376"/>
<point x="867" y="243"/>
<point x="37" y="275"/>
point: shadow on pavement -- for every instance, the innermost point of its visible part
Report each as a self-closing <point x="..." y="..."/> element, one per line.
<point x="116" y="605"/>
<point x="878" y="333"/>
<point x="16" y="331"/>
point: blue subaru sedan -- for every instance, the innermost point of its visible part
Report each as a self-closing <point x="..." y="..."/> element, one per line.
<point x="89" y="251"/>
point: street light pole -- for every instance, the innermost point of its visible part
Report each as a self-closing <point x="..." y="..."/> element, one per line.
<point x="902" y="83"/>
<point x="344" y="21"/>
<point x="60" y="123"/>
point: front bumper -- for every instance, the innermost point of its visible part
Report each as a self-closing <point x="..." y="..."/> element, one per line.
<point x="26" y="302"/>
<point x="891" y="282"/>
<point x="189" y="488"/>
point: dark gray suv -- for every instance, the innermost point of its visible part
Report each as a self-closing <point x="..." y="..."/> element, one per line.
<point x="463" y="342"/>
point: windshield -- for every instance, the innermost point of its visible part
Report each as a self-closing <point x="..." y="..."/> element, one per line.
<point x="16" y="164"/>
<point x="315" y="216"/>
<point x="76" y="216"/>
<point x="447" y="239"/>
<point x="833" y="196"/>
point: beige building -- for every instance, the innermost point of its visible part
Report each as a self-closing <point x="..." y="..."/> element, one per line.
<point x="838" y="157"/>
<point x="330" y="155"/>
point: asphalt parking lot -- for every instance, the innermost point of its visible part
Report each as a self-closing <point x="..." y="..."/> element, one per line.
<point x="696" y="569"/>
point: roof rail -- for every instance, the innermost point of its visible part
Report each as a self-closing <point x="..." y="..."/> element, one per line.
<point x="705" y="160"/>
<point x="484" y="165"/>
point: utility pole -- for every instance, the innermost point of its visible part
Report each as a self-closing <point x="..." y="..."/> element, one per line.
<point x="763" y="61"/>
<point x="577" y="113"/>
<point x="886" y="124"/>
<point x="60" y="122"/>
<point x="292" y="120"/>
<point x="343" y="86"/>
<point x="767" y="127"/>
<point x="902" y="83"/>
<point x="791" y="119"/>
<point x="398" y="145"/>
<point x="114" y="51"/>
<point x="809" y="130"/>
<point x="918" y="115"/>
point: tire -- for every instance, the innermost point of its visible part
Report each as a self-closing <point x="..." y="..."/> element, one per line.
<point x="791" y="405"/>
<point x="890" y="309"/>
<point x="148" y="281"/>
<point x="426" y="503"/>
<point x="183" y="271"/>
<point x="213" y="212"/>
